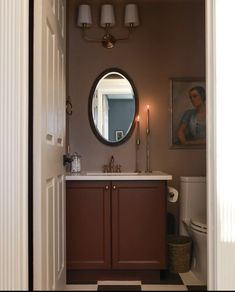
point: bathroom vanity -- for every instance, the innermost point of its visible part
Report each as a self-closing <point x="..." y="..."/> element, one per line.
<point x="116" y="223"/>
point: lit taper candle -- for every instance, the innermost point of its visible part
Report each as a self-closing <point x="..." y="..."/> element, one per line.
<point x="148" y="123"/>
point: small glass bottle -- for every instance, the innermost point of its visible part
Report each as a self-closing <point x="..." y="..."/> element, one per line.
<point x="76" y="163"/>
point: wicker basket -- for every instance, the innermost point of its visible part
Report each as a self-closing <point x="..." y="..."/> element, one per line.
<point x="179" y="253"/>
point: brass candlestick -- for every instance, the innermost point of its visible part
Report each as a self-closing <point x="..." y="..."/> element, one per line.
<point x="137" y="145"/>
<point x="148" y="170"/>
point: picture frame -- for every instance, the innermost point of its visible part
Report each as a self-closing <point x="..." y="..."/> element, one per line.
<point x="187" y="126"/>
<point x="119" y="135"/>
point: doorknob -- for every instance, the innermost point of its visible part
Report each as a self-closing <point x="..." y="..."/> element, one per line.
<point x="114" y="187"/>
<point x="67" y="159"/>
<point x="106" y="187"/>
<point x="69" y="107"/>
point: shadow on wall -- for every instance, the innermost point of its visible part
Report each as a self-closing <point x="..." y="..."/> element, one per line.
<point x="171" y="224"/>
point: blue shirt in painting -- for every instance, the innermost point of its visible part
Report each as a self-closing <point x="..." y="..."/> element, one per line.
<point x="196" y="129"/>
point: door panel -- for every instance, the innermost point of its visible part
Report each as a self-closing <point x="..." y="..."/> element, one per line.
<point x="60" y="97"/>
<point x="60" y="223"/>
<point x="50" y="223"/>
<point x="60" y="16"/>
<point x="138" y="225"/>
<point x="49" y="144"/>
<point x="88" y="225"/>
<point x="53" y="2"/>
<point x="50" y="82"/>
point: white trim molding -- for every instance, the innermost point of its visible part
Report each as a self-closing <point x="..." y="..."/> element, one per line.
<point x="220" y="143"/>
<point x="211" y="149"/>
<point x="14" y="144"/>
<point x="225" y="142"/>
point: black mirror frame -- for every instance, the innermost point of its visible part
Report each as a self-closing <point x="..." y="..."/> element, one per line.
<point x="93" y="127"/>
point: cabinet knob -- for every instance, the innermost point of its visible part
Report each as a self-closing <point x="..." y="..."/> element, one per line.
<point x="106" y="187"/>
<point x="114" y="187"/>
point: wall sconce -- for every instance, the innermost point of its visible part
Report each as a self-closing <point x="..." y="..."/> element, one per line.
<point x="107" y="21"/>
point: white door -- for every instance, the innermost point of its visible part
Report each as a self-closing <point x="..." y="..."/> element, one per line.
<point x="49" y="144"/>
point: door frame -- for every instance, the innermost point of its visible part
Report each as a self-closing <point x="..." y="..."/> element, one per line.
<point x="30" y="146"/>
<point x="211" y="144"/>
<point x="220" y="61"/>
<point x="212" y="199"/>
<point x="14" y="84"/>
<point x="213" y="274"/>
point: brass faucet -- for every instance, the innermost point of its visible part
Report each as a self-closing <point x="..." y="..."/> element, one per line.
<point x="111" y="167"/>
<point x="111" y="164"/>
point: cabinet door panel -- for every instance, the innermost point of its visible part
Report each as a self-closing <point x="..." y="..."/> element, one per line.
<point x="139" y="225"/>
<point x="88" y="225"/>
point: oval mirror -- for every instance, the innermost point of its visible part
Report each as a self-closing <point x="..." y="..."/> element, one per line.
<point x="113" y="106"/>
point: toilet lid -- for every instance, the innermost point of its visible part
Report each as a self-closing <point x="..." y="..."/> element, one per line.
<point x="199" y="223"/>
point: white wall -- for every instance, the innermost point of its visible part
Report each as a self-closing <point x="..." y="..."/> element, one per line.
<point x="13" y="144"/>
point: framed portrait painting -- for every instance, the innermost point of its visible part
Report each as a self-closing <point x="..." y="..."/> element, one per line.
<point x="188" y="113"/>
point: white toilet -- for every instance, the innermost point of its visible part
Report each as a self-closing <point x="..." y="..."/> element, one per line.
<point x="193" y="221"/>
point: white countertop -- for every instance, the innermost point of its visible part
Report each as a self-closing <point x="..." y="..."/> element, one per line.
<point x="154" y="175"/>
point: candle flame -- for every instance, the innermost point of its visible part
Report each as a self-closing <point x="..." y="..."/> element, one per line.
<point x="148" y="107"/>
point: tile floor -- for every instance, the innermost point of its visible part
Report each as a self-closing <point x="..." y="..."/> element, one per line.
<point x="168" y="282"/>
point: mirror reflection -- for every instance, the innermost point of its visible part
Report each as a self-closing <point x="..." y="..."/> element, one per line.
<point x="113" y="107"/>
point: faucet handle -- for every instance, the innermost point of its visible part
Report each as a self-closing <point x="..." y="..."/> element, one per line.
<point x="118" y="168"/>
<point x="105" y="168"/>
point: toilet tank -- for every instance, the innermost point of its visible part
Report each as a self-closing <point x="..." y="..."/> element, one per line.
<point x="192" y="199"/>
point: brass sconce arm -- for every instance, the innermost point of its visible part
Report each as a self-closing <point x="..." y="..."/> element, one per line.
<point x="87" y="38"/>
<point x="108" y="40"/>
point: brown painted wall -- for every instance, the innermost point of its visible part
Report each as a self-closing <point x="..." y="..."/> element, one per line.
<point x="169" y="43"/>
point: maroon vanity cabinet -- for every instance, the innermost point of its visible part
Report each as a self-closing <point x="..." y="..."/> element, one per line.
<point x="116" y="225"/>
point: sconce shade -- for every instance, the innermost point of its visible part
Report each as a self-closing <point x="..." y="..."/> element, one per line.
<point x="107" y="15"/>
<point x="131" y="15"/>
<point x="84" y="16"/>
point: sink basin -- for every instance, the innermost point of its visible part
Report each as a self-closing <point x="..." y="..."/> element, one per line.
<point x="98" y="175"/>
<point x="112" y="173"/>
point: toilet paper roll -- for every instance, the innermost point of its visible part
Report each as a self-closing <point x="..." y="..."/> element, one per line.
<point x="172" y="195"/>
